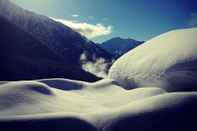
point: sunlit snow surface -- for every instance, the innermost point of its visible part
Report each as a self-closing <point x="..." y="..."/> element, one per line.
<point x="151" y="72"/>
<point x="102" y="105"/>
<point x="168" y="61"/>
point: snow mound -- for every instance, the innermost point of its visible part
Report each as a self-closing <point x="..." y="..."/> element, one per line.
<point x="103" y="106"/>
<point x="168" y="61"/>
<point x="17" y="94"/>
<point x="49" y="96"/>
<point x="170" y="111"/>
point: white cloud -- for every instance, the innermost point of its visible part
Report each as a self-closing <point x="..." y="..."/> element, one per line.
<point x="98" y="68"/>
<point x="75" y="15"/>
<point x="193" y="20"/>
<point x="89" y="30"/>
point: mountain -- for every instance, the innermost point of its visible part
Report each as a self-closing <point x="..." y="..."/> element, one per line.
<point x="168" y="61"/>
<point x="24" y="57"/>
<point x="119" y="46"/>
<point x="34" y="46"/>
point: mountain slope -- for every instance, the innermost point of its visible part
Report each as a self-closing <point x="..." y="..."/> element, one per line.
<point x="24" y="57"/>
<point x="168" y="61"/>
<point x="62" y="42"/>
<point x="61" y="39"/>
<point x="119" y="46"/>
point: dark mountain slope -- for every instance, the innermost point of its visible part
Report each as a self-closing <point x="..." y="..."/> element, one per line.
<point x="61" y="39"/>
<point x="24" y="57"/>
<point x="34" y="46"/>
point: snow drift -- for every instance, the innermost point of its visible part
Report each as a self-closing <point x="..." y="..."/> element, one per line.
<point x="168" y="61"/>
<point x="40" y="105"/>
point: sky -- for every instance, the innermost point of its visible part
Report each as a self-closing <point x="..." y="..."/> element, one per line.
<point x="100" y="20"/>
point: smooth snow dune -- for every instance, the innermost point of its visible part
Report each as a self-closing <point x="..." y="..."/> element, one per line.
<point x="16" y="96"/>
<point x="168" y="61"/>
<point x="33" y="105"/>
<point x="167" y="112"/>
<point x="33" y="97"/>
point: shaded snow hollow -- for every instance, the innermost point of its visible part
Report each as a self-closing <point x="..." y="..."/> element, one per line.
<point x="165" y="63"/>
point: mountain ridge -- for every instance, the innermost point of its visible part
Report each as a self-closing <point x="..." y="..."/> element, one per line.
<point x="118" y="46"/>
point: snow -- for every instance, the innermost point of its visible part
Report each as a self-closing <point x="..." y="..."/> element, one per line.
<point x="167" y="61"/>
<point x="37" y="97"/>
<point x="102" y="105"/>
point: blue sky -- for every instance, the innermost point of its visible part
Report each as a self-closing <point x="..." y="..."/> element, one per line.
<point x="137" y="19"/>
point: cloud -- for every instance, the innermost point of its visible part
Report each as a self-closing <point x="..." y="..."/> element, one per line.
<point x="193" y="20"/>
<point x="75" y="15"/>
<point x="89" y="30"/>
<point x="98" y="68"/>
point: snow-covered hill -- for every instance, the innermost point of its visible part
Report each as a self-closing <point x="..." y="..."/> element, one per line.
<point x="119" y="46"/>
<point x="168" y="61"/>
